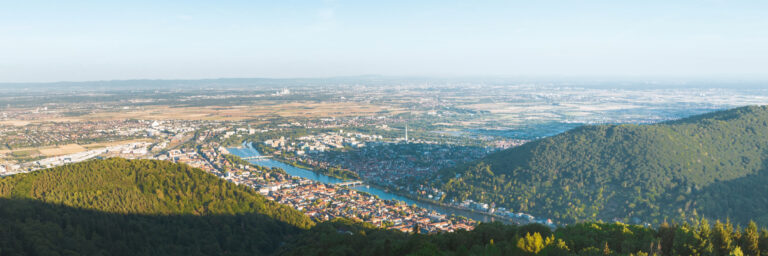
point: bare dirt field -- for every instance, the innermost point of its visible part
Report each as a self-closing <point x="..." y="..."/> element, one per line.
<point x="243" y="112"/>
<point x="62" y="150"/>
<point x="71" y="148"/>
<point x="227" y="113"/>
<point x="15" y="122"/>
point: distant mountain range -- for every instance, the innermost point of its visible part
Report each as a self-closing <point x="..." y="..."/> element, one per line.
<point x="713" y="165"/>
<point x="372" y="80"/>
<point x="222" y="83"/>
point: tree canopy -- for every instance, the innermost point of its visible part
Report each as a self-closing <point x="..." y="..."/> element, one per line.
<point x="129" y="207"/>
<point x="711" y="165"/>
<point x="344" y="237"/>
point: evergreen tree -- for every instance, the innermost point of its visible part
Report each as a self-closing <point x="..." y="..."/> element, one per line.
<point x="722" y="238"/>
<point x="667" y="236"/>
<point x="606" y="249"/>
<point x="763" y="244"/>
<point x="685" y="241"/>
<point x="703" y="242"/>
<point x="750" y="241"/>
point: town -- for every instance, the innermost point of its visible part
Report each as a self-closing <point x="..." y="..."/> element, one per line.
<point x="317" y="200"/>
<point x="392" y="139"/>
<point x="199" y="144"/>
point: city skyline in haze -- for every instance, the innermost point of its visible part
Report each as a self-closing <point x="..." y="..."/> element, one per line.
<point x="48" y="41"/>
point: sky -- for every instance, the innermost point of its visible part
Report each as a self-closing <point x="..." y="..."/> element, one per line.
<point x="46" y="41"/>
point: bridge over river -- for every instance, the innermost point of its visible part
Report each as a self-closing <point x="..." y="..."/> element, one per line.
<point x="349" y="183"/>
<point x="255" y="158"/>
<point x="248" y="153"/>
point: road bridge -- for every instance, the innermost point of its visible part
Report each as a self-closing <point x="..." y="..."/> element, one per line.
<point x="255" y="158"/>
<point x="349" y="183"/>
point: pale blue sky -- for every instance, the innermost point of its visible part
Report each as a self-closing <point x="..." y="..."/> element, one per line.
<point x="104" y="40"/>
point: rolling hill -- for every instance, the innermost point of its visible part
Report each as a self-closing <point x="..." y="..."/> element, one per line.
<point x="711" y="165"/>
<point x="146" y="207"/>
<point x="138" y="207"/>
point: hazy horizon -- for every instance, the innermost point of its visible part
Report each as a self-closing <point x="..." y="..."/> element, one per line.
<point x="50" y="41"/>
<point x="364" y="79"/>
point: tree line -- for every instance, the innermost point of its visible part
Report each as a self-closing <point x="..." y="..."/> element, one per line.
<point x="345" y="237"/>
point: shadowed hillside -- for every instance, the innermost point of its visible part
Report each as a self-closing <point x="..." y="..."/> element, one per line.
<point x="138" y="207"/>
<point x="708" y="165"/>
<point x="342" y="237"/>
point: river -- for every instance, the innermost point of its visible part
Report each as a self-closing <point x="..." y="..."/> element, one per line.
<point x="248" y="151"/>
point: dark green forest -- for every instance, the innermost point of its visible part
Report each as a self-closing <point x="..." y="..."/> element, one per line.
<point x="138" y="207"/>
<point x="148" y="207"/>
<point x="711" y="165"/>
<point x="344" y="237"/>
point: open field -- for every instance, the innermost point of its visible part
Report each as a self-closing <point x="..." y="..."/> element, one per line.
<point x="235" y="113"/>
<point x="62" y="150"/>
<point x="15" y="122"/>
<point x="67" y="149"/>
<point x="226" y="113"/>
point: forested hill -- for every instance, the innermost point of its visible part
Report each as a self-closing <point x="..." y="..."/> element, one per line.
<point x="138" y="207"/>
<point x="713" y="165"/>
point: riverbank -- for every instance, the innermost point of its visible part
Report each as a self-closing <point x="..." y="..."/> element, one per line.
<point x="338" y="174"/>
<point x="458" y="208"/>
<point x="335" y="173"/>
<point x="322" y="198"/>
<point x="379" y="191"/>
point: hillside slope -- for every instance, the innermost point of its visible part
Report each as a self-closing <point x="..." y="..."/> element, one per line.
<point x="712" y="164"/>
<point x="151" y="207"/>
